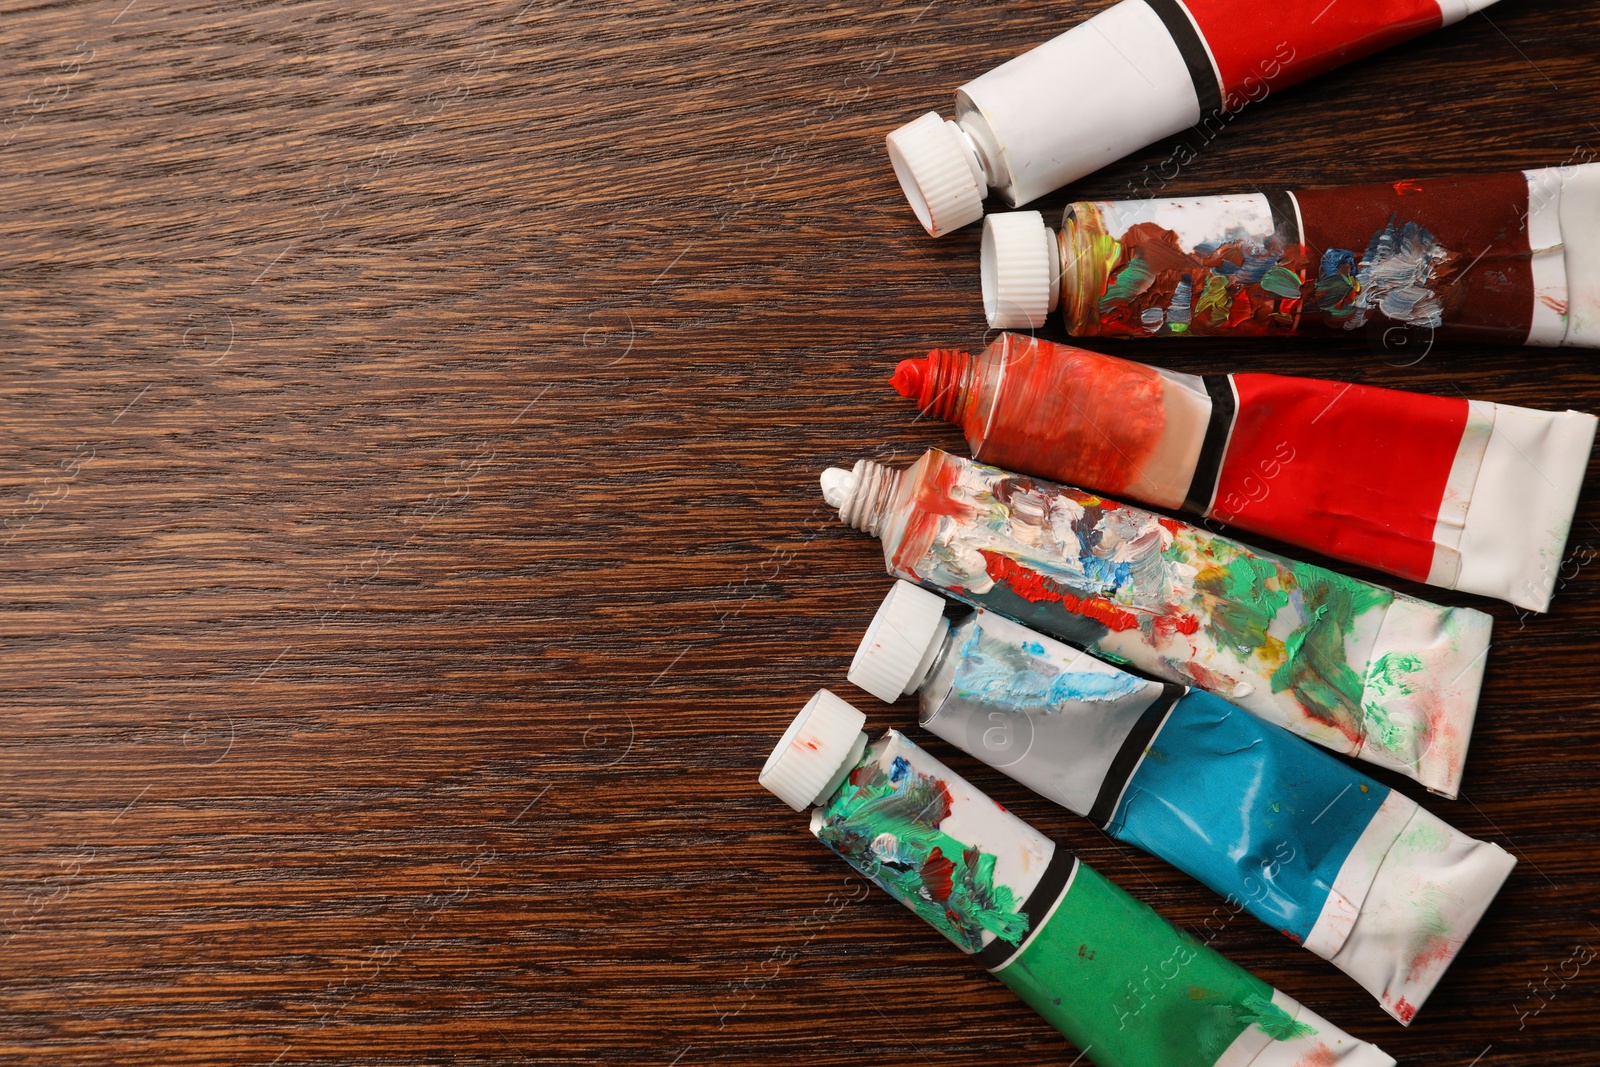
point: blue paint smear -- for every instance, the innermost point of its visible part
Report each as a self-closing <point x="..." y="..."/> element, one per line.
<point x="985" y="672"/>
<point x="1179" y="311"/>
<point x="1090" y="686"/>
<point x="1108" y="576"/>
<point x="1336" y="259"/>
<point x="1261" y="816"/>
<point x="1255" y="268"/>
<point x="898" y="769"/>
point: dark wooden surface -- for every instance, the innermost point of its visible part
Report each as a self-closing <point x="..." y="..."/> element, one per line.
<point x="410" y="423"/>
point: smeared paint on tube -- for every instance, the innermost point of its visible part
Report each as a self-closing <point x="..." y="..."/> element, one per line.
<point x="1510" y="258"/>
<point x="888" y="820"/>
<point x="1305" y="843"/>
<point x="1292" y="643"/>
<point x="1461" y="494"/>
<point x="1105" y="970"/>
<point x="1137" y="72"/>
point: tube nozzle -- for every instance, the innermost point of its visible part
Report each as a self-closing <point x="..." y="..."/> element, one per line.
<point x="862" y="494"/>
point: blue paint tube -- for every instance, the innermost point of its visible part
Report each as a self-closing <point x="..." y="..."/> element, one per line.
<point x="1354" y="871"/>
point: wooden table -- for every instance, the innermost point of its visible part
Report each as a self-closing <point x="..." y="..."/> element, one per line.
<point x="411" y="421"/>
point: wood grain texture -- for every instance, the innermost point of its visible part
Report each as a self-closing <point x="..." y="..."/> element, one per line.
<point x="410" y="424"/>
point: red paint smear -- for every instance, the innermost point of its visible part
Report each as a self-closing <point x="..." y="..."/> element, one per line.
<point x="1404" y="1011"/>
<point x="936" y="874"/>
<point x="1209" y="680"/>
<point x="1030" y="586"/>
<point x="1321" y="1056"/>
<point x="933" y="497"/>
<point x="1440" y="948"/>
<point x="1406" y="186"/>
<point x="1172" y="526"/>
<point x="1241" y="310"/>
<point x="1059" y="412"/>
<point x="1172" y="625"/>
<point x="936" y="496"/>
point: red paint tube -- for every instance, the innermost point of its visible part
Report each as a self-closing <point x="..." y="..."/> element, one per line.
<point x="1507" y="258"/>
<point x="1461" y="494"/>
<point x="1135" y="73"/>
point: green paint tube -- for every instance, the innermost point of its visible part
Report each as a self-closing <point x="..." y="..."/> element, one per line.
<point x="1124" y="985"/>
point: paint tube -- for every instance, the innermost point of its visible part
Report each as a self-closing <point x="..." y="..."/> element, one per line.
<point x="1137" y="72"/>
<point x="1460" y="494"/>
<point x="1354" y="871"/>
<point x="1119" y="981"/>
<point x="1356" y="667"/>
<point x="1504" y="258"/>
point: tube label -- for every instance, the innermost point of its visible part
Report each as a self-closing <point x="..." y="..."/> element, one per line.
<point x="1289" y="815"/>
<point x="1449" y="255"/>
<point x="1255" y="47"/>
<point x="1133" y="991"/>
<point x="1352" y="471"/>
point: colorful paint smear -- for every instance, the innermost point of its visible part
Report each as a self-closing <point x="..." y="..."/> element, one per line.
<point x="1293" y="643"/>
<point x="1452" y="258"/>
<point x="1142" y="279"/>
<point x="886" y="821"/>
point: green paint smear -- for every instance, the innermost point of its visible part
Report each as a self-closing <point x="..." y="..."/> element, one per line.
<point x="1132" y="281"/>
<point x="1387" y="675"/>
<point x="1386" y="680"/>
<point x="1274" y="1021"/>
<point x="1330" y="294"/>
<point x="1249" y="592"/>
<point x="1247" y="596"/>
<point x="949" y="884"/>
<point x="1315" y="667"/>
<point x="1426" y="837"/>
<point x="1281" y="281"/>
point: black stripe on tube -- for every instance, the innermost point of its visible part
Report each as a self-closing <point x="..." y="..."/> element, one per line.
<point x="1133" y="746"/>
<point x="1195" y="54"/>
<point x="1044" y="896"/>
<point x="1203" y="486"/>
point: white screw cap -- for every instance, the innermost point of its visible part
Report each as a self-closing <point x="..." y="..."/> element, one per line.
<point x="939" y="172"/>
<point x="1019" y="270"/>
<point x="821" y="746"/>
<point x="894" y="656"/>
